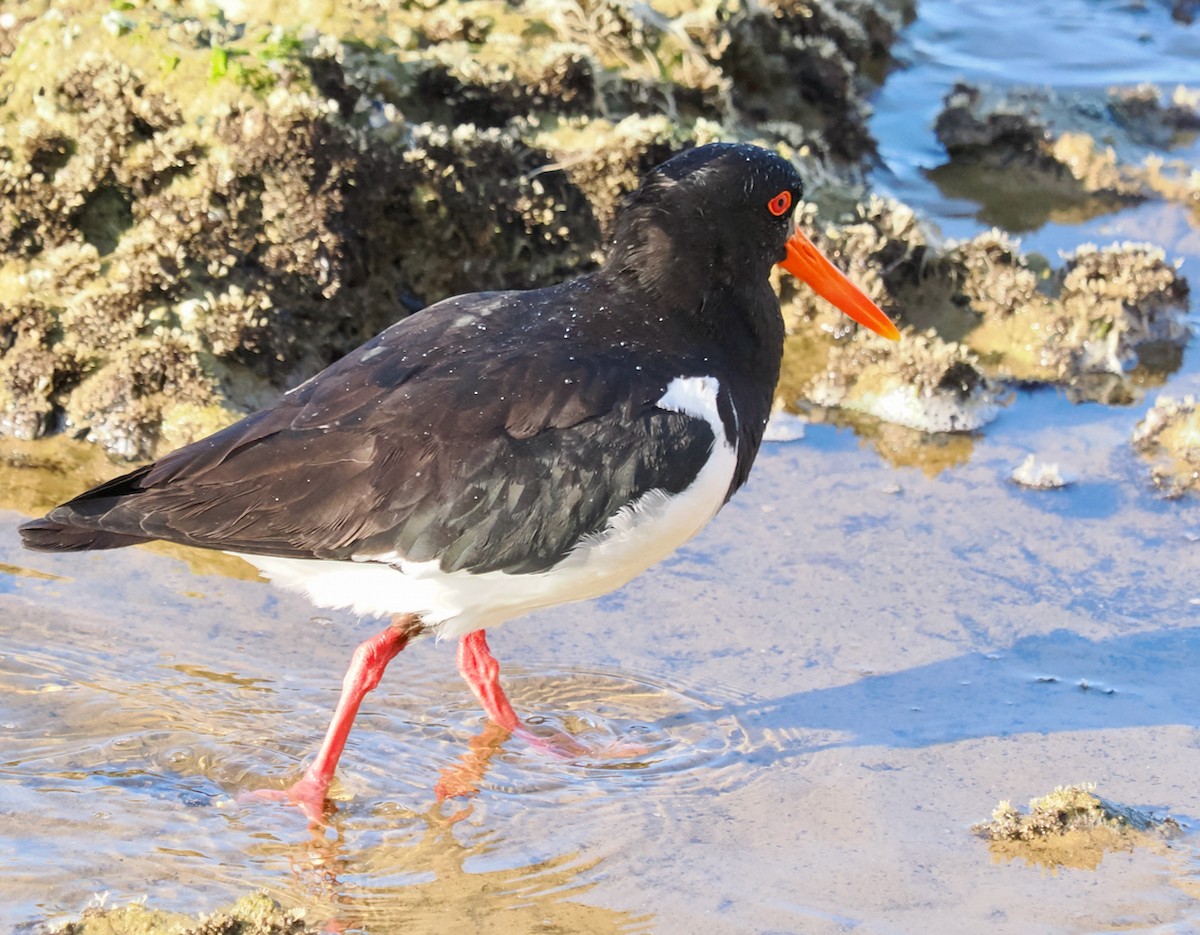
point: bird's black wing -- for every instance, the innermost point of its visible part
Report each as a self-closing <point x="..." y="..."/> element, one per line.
<point x="425" y="443"/>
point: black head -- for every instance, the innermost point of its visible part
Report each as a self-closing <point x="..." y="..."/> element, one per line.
<point x="708" y="218"/>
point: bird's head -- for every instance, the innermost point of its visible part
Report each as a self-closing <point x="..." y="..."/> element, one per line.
<point x="720" y="213"/>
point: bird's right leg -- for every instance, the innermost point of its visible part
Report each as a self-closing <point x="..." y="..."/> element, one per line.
<point x="367" y="666"/>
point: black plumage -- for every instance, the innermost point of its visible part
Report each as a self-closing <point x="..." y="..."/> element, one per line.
<point x="490" y="431"/>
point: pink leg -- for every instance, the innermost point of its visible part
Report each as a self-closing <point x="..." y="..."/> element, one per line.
<point x="367" y="665"/>
<point x="482" y="672"/>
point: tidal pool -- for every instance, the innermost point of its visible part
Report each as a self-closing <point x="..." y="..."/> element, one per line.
<point x="879" y="639"/>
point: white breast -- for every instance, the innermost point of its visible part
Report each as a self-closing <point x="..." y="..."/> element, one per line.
<point x="455" y="603"/>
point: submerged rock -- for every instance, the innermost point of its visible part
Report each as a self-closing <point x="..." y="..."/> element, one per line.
<point x="1169" y="436"/>
<point x="1071" y="827"/>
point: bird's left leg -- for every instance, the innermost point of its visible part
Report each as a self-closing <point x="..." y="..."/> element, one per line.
<point x="479" y="667"/>
<point x="482" y="672"/>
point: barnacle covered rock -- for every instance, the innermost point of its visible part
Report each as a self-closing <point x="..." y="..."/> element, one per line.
<point x="1103" y="311"/>
<point x="922" y="382"/>
<point x="197" y="212"/>
<point x="1071" y="827"/>
<point x="1169" y="436"/>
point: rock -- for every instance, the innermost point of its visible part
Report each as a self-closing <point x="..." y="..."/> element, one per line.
<point x="1035" y="154"/>
<point x="922" y="382"/>
<point x="1039" y="475"/>
<point x="801" y="63"/>
<point x="258" y="914"/>
<point x="1108" y="322"/>
<point x="883" y="249"/>
<point x="1169" y="436"/>
<point x="1104" y="312"/>
<point x="1073" y="827"/>
<point x="200" y="212"/>
<point x="1115" y="301"/>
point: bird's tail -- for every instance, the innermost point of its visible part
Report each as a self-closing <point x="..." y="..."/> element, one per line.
<point x="74" y="526"/>
<point x="48" y="535"/>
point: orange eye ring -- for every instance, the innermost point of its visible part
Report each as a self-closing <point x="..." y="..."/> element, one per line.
<point x="780" y="203"/>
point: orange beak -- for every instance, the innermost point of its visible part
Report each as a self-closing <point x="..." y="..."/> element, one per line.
<point x="806" y="262"/>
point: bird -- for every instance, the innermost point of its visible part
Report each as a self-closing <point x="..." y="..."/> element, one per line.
<point x="499" y="452"/>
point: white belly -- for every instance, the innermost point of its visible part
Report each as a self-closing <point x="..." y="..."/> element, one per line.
<point x="455" y="603"/>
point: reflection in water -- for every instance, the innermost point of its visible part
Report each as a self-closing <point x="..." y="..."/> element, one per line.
<point x="1074" y="850"/>
<point x="427" y="873"/>
<point x="464" y="778"/>
<point x="667" y="736"/>
<point x="1019" y="202"/>
<point x="200" y="676"/>
<point x="19" y="571"/>
<point x="929" y="452"/>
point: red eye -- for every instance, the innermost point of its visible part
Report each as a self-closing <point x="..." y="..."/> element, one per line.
<point x="780" y="203"/>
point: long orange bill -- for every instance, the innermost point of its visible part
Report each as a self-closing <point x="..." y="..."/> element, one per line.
<point x="806" y="262"/>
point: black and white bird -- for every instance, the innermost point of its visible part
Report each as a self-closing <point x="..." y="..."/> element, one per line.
<point x="500" y="452"/>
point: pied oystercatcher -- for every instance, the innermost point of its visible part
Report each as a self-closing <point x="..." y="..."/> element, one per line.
<point x="504" y="451"/>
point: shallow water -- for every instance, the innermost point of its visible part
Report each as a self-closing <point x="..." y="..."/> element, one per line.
<point x="820" y="694"/>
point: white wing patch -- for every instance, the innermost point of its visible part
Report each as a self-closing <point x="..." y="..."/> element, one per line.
<point x="455" y="603"/>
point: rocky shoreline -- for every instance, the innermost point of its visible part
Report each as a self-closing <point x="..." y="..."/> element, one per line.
<point x="203" y="211"/>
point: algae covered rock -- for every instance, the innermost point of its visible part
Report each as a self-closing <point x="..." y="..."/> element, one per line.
<point x="257" y="914"/>
<point x="199" y="209"/>
<point x="1169" y="436"/>
<point x="1071" y="827"/>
